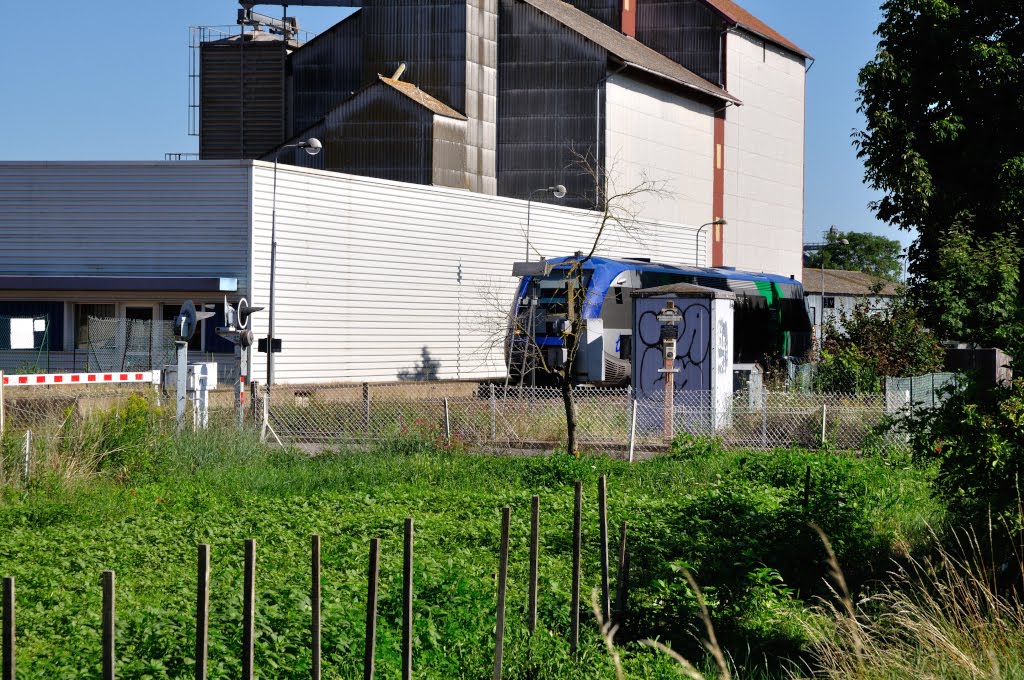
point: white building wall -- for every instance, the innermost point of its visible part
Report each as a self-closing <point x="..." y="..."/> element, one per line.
<point x="764" y="157"/>
<point x="666" y="138"/>
<point x="159" y="219"/>
<point x="371" y="274"/>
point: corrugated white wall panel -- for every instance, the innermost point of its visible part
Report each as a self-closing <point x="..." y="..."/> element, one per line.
<point x="764" y="157"/>
<point x="669" y="140"/>
<point x="371" y="274"/>
<point x="125" y="219"/>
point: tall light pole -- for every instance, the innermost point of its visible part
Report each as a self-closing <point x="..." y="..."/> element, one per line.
<point x="312" y="146"/>
<point x="696" y="245"/>
<point x="558" y="191"/>
<point x="833" y="231"/>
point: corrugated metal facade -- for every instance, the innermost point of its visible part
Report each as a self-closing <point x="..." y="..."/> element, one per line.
<point x="686" y="31"/>
<point x="482" y="95"/>
<point x="429" y="36"/>
<point x="162" y="219"/>
<point x="371" y="273"/>
<point x="325" y="72"/>
<point x="605" y="11"/>
<point x="547" y="77"/>
<point x="242" y="106"/>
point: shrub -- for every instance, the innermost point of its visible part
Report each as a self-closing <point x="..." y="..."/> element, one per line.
<point x="977" y="437"/>
<point x="129" y="435"/>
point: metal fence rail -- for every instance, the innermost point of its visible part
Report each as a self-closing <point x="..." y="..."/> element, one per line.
<point x="495" y="417"/>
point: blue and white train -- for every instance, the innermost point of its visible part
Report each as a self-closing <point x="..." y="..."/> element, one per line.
<point x="770" y="320"/>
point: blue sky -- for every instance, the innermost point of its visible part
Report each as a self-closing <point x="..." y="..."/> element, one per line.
<point x="109" y="81"/>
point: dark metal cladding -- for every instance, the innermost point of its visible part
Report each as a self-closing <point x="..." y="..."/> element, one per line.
<point x="548" y="76"/>
<point x="605" y="11"/>
<point x="686" y="31"/>
<point x="325" y="72"/>
<point x="380" y="133"/>
<point x="241" y="96"/>
<point x="429" y="36"/>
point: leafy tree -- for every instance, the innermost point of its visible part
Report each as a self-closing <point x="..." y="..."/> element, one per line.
<point x="943" y="98"/>
<point x="871" y="253"/>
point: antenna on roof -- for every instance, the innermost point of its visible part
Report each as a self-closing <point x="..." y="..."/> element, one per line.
<point x="399" y="71"/>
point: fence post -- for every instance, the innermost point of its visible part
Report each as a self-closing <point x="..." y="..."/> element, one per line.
<point x="622" y="578"/>
<point x="499" y="633"/>
<point x="764" y="417"/>
<point x="371" y="609"/>
<point x="8" y="628"/>
<point x="366" y="407"/>
<point x="108" y="625"/>
<point x="494" y="414"/>
<point x="202" y="610"/>
<point x="28" y="455"/>
<point x="407" y="602"/>
<point x="632" y="431"/>
<point x="824" y="410"/>
<point x="602" y="507"/>
<point x="531" y="620"/>
<point x="314" y="597"/>
<point x="577" y="530"/>
<point x="248" y="608"/>
<point x="447" y="424"/>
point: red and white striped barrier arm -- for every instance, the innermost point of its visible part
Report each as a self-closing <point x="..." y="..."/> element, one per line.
<point x="82" y="378"/>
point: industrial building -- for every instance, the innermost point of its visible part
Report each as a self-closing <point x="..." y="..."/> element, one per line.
<point x="398" y="243"/>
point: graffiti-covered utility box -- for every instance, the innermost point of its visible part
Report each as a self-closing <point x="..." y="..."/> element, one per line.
<point x="701" y="372"/>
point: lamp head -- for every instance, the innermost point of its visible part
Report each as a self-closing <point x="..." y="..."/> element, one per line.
<point x="311" y="145"/>
<point x="558" y="191"/>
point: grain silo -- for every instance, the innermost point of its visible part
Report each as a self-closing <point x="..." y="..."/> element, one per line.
<point x="242" y="103"/>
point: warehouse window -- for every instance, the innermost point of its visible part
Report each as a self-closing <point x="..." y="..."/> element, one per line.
<point x="83" y="311"/>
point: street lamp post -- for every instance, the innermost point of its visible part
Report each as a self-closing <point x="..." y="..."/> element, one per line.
<point x="558" y="191"/>
<point x="312" y="146"/>
<point x="696" y="245"/>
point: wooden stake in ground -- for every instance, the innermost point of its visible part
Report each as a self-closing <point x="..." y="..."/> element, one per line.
<point x="372" y="579"/>
<point x="602" y="507"/>
<point x="499" y="634"/>
<point x="202" y="609"/>
<point x="531" y="617"/>
<point x="577" y="535"/>
<point x="314" y="598"/>
<point x="622" y="579"/>
<point x="407" y="603"/>
<point x="8" y="626"/>
<point x="109" y="618"/>
<point x="248" y="609"/>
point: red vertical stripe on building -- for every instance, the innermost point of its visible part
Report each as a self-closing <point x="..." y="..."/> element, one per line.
<point x="718" y="191"/>
<point x="629" y="17"/>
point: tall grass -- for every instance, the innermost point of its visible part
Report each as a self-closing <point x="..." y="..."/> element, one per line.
<point x="954" y="615"/>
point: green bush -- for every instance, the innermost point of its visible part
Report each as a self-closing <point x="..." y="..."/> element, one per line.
<point x="977" y="438"/>
<point x="129" y="437"/>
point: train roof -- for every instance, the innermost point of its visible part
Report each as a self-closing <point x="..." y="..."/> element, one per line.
<point x="624" y="263"/>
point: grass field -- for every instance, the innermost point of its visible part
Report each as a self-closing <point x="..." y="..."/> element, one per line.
<point x="736" y="520"/>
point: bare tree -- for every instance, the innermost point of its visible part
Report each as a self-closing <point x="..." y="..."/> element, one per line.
<point x="617" y="212"/>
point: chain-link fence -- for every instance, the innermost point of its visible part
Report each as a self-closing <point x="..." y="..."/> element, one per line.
<point x="495" y="417"/>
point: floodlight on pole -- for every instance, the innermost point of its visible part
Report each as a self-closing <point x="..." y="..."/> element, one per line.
<point x="696" y="246"/>
<point x="311" y="146"/>
<point x="558" y="191"/>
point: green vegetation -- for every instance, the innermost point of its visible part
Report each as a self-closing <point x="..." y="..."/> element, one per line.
<point x="863" y="252"/>
<point x="737" y="520"/>
<point x="869" y="344"/>
<point x="941" y="99"/>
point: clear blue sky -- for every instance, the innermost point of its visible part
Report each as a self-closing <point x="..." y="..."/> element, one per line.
<point x="109" y="81"/>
